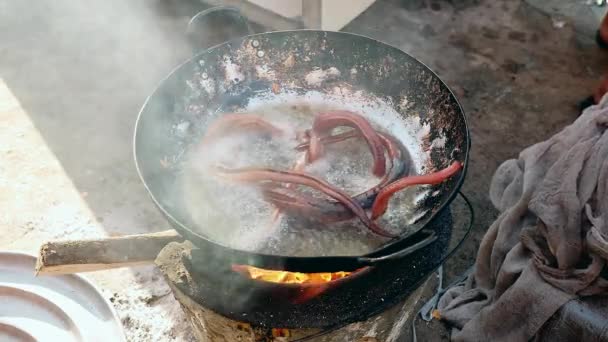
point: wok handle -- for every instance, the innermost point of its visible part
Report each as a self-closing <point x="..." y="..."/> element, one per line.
<point x="349" y="264"/>
<point x="216" y="25"/>
<point x="430" y="238"/>
<point x="370" y="261"/>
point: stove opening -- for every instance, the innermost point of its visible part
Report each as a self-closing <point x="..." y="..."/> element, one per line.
<point x="285" y="277"/>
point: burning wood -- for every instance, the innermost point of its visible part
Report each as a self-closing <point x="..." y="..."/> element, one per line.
<point x="279" y="332"/>
<point x="284" y="277"/>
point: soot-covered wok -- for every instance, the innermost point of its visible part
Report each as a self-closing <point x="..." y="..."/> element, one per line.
<point x="333" y="69"/>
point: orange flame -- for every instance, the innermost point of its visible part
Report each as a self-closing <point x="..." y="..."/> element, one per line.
<point x="285" y="277"/>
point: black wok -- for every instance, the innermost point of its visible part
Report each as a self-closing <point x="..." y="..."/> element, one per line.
<point x="359" y="71"/>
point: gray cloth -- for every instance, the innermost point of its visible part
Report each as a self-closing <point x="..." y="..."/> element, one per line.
<point x="549" y="243"/>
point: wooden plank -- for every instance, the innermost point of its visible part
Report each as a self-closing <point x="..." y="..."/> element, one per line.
<point x="63" y="257"/>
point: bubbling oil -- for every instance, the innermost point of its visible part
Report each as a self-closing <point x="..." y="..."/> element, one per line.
<point x="237" y="216"/>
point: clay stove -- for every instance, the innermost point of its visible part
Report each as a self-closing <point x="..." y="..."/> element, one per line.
<point x="370" y="305"/>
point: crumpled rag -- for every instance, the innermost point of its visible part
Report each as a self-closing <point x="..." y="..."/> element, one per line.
<point x="550" y="242"/>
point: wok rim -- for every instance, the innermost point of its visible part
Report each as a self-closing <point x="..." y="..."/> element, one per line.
<point x="197" y="237"/>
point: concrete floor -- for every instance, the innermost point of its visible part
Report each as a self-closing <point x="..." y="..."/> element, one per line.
<point x="81" y="70"/>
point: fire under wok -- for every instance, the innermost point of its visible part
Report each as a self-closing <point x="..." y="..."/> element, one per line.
<point x="304" y="151"/>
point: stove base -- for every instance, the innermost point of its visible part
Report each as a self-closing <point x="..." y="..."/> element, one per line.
<point x="388" y="326"/>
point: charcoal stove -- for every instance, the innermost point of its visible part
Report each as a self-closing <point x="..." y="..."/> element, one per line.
<point x="224" y="303"/>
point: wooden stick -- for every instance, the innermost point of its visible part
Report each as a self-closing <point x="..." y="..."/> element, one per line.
<point x="64" y="257"/>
